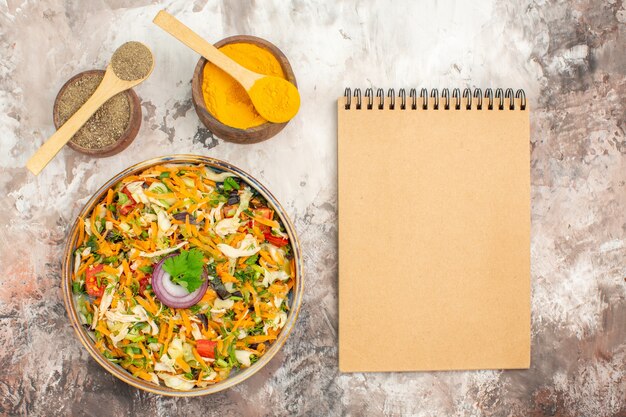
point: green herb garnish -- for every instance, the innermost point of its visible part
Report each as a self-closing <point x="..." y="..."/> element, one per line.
<point x="230" y="184"/>
<point x="186" y="269"/>
<point x="252" y="260"/>
<point x="146" y="269"/>
<point x="122" y="198"/>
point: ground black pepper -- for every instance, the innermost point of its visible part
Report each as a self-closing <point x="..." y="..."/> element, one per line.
<point x="106" y="125"/>
<point x="132" y="61"/>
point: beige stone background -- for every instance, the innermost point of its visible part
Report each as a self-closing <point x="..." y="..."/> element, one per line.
<point x="569" y="56"/>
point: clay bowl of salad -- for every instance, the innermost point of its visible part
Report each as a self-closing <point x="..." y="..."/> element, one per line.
<point x="182" y="276"/>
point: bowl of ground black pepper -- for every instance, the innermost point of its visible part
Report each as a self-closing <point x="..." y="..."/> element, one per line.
<point x="111" y="129"/>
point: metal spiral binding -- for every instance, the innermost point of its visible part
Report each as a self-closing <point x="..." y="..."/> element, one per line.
<point x="445" y="94"/>
<point x="473" y="99"/>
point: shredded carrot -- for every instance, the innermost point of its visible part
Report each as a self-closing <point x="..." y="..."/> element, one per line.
<point x="162" y="331"/>
<point x="93" y="227"/>
<point x="127" y="273"/>
<point x="109" y="270"/>
<point x="144" y="375"/>
<point x="163" y="196"/>
<point x="109" y="197"/>
<point x="143" y="350"/>
<point x="86" y="264"/>
<point x="151" y="301"/>
<point x="271" y="223"/>
<point x="198" y="357"/>
<point x="146" y="305"/>
<point x="183" y="365"/>
<point x="81" y="232"/>
<point x="100" y="327"/>
<point x="186" y="322"/>
<point x="176" y="205"/>
<point x="168" y="339"/>
<point x="258" y="339"/>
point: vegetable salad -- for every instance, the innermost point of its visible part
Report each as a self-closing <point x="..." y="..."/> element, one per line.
<point x="211" y="241"/>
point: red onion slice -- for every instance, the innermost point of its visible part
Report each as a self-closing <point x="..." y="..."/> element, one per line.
<point x="171" y="296"/>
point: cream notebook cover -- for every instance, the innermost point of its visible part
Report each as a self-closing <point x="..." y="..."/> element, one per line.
<point x="434" y="232"/>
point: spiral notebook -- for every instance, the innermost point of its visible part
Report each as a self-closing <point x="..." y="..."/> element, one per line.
<point x="434" y="230"/>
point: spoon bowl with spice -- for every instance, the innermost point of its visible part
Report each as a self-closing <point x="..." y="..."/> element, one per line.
<point x="130" y="64"/>
<point x="111" y="129"/>
<point x="222" y="105"/>
<point x="274" y="98"/>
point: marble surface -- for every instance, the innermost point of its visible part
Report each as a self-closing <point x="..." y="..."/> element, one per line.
<point x="570" y="57"/>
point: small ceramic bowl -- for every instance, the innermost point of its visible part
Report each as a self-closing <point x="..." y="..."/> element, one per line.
<point x="295" y="297"/>
<point x="254" y="134"/>
<point x="127" y="137"/>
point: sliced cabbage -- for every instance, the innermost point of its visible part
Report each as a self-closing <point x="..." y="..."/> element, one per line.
<point x="94" y="321"/>
<point x="270" y="276"/>
<point x="123" y="332"/>
<point x="195" y="332"/>
<point x="125" y="228"/>
<point x="160" y="188"/>
<point x="162" y="252"/>
<point x="165" y="364"/>
<point x="244" y="201"/>
<point x="220" y="306"/>
<point x="106" y="300"/>
<point x="214" y="176"/>
<point x="175" y="350"/>
<point x="163" y="221"/>
<point x="136" y="191"/>
<point x="210" y="377"/>
<point x="188" y="182"/>
<point x="243" y="357"/>
<point x="88" y="226"/>
<point x="227" y="226"/>
<point x="277" y="254"/>
<point x="77" y="261"/>
<point x="177" y="382"/>
<point x="143" y="315"/>
<point x="247" y="247"/>
<point x="122" y="318"/>
<point x="215" y="214"/>
<point x="278" y="322"/>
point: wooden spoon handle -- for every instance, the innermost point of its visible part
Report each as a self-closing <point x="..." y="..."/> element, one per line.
<point x="53" y="145"/>
<point x="177" y="29"/>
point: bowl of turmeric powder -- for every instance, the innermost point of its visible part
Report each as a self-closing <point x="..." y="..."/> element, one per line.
<point x="223" y="105"/>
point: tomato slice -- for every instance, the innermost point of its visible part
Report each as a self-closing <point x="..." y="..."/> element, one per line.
<point x="206" y="348"/>
<point x="129" y="206"/>
<point x="91" y="281"/>
<point x="229" y="211"/>
<point x="264" y="212"/>
<point x="143" y="283"/>
<point x="276" y="241"/>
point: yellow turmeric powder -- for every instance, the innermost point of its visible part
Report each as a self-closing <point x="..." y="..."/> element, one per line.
<point x="225" y="99"/>
<point x="275" y="99"/>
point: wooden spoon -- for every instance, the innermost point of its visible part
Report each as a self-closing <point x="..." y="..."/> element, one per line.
<point x="110" y="85"/>
<point x="276" y="99"/>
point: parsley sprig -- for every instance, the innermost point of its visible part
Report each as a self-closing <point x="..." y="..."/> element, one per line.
<point x="186" y="269"/>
